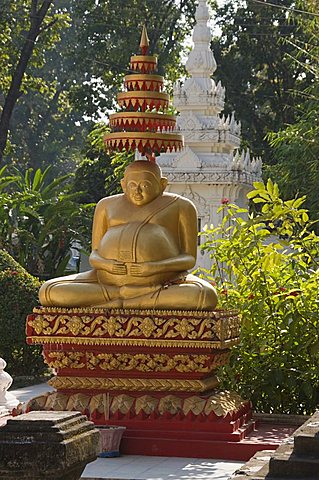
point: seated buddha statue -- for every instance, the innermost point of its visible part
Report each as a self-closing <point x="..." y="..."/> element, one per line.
<point x="144" y="241"/>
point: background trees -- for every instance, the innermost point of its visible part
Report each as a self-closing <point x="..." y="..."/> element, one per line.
<point x="267" y="56"/>
<point x="296" y="146"/>
<point x="255" y="58"/>
<point x="24" y="40"/>
<point x="18" y="295"/>
<point x="40" y="219"/>
<point x="77" y="66"/>
<point x="72" y="70"/>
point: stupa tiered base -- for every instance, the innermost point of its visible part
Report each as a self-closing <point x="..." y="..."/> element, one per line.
<point x="152" y="371"/>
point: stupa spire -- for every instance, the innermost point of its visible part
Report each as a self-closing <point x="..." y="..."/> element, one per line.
<point x="201" y="61"/>
<point x="200" y="93"/>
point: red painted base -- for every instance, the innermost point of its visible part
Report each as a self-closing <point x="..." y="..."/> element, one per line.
<point x="233" y="436"/>
<point x="185" y="445"/>
<point x="175" y="426"/>
<point x="240" y="446"/>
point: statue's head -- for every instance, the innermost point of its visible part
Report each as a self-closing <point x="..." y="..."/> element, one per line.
<point x="143" y="182"/>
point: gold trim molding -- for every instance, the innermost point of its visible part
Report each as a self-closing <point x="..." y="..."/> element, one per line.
<point x="133" y="384"/>
<point x="139" y="361"/>
<point x="38" y="340"/>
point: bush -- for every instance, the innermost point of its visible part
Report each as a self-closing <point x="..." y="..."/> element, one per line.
<point x="40" y="220"/>
<point x="266" y="265"/>
<point x="18" y="296"/>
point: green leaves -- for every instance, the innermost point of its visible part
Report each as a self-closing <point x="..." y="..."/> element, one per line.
<point x="39" y="219"/>
<point x="268" y="264"/>
<point x="18" y="295"/>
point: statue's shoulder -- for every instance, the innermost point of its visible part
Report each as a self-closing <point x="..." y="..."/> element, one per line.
<point x="182" y="201"/>
<point x="104" y="202"/>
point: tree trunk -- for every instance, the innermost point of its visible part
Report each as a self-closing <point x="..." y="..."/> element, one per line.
<point x="37" y="16"/>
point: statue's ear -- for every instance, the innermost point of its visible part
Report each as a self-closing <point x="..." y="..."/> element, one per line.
<point x="123" y="184"/>
<point x="164" y="183"/>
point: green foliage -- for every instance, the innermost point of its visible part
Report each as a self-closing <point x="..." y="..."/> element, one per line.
<point x="256" y="65"/>
<point x="29" y="34"/>
<point x="15" y="21"/>
<point x="296" y="146"/>
<point x="9" y="263"/>
<point x="39" y="220"/>
<point x="109" y="32"/>
<point x="83" y="58"/>
<point x="99" y="174"/>
<point x="18" y="295"/>
<point x="266" y="266"/>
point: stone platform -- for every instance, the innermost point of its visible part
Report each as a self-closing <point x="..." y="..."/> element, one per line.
<point x="296" y="458"/>
<point x="151" y="371"/>
<point x="47" y="446"/>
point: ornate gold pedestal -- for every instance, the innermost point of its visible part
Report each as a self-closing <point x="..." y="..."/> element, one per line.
<point x="152" y="371"/>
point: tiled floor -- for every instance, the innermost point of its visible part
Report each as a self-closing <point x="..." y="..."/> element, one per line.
<point x="25" y="394"/>
<point x="135" y="467"/>
<point x="159" y="468"/>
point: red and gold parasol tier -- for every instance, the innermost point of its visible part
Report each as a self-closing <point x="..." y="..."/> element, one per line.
<point x="144" y="82"/>
<point x="144" y="142"/>
<point x="143" y="125"/>
<point x="142" y="122"/>
<point x="144" y="63"/>
<point x="143" y="100"/>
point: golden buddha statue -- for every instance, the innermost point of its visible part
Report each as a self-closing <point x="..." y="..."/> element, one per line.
<point x="143" y="243"/>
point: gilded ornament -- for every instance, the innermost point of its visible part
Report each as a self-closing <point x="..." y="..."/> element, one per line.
<point x="223" y="403"/>
<point x="194" y="404"/>
<point x="39" y="324"/>
<point x="183" y="328"/>
<point x="56" y="401"/>
<point x="170" y="404"/>
<point x="147" y="327"/>
<point x="139" y="361"/>
<point x="122" y="403"/>
<point x="221" y="329"/>
<point x="65" y="360"/>
<point x="75" y="325"/>
<point x="214" y="345"/>
<point x="146" y="404"/>
<point x="78" y="401"/>
<point x="147" y="362"/>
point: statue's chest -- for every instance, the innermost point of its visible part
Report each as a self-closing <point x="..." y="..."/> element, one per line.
<point x="148" y="214"/>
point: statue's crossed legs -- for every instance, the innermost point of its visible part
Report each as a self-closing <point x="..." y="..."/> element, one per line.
<point x="186" y="292"/>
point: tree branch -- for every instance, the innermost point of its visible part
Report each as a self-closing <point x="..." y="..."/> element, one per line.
<point x="49" y="25"/>
<point x="18" y="74"/>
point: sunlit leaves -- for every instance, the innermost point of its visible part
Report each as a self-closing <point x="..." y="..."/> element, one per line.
<point x="39" y="219"/>
<point x="266" y="266"/>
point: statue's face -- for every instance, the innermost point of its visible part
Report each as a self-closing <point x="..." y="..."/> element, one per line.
<point x="141" y="187"/>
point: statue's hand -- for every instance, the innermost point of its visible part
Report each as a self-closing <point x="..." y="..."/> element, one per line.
<point x="111" y="266"/>
<point x="140" y="269"/>
<point x="118" y="268"/>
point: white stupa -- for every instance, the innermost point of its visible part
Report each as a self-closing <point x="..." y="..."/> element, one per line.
<point x="211" y="168"/>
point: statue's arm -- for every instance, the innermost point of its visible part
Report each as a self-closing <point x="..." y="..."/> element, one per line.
<point x="98" y="230"/>
<point x="100" y="227"/>
<point x="188" y="232"/>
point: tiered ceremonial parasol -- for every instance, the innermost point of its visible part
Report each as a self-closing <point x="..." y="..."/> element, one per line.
<point x="143" y="125"/>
